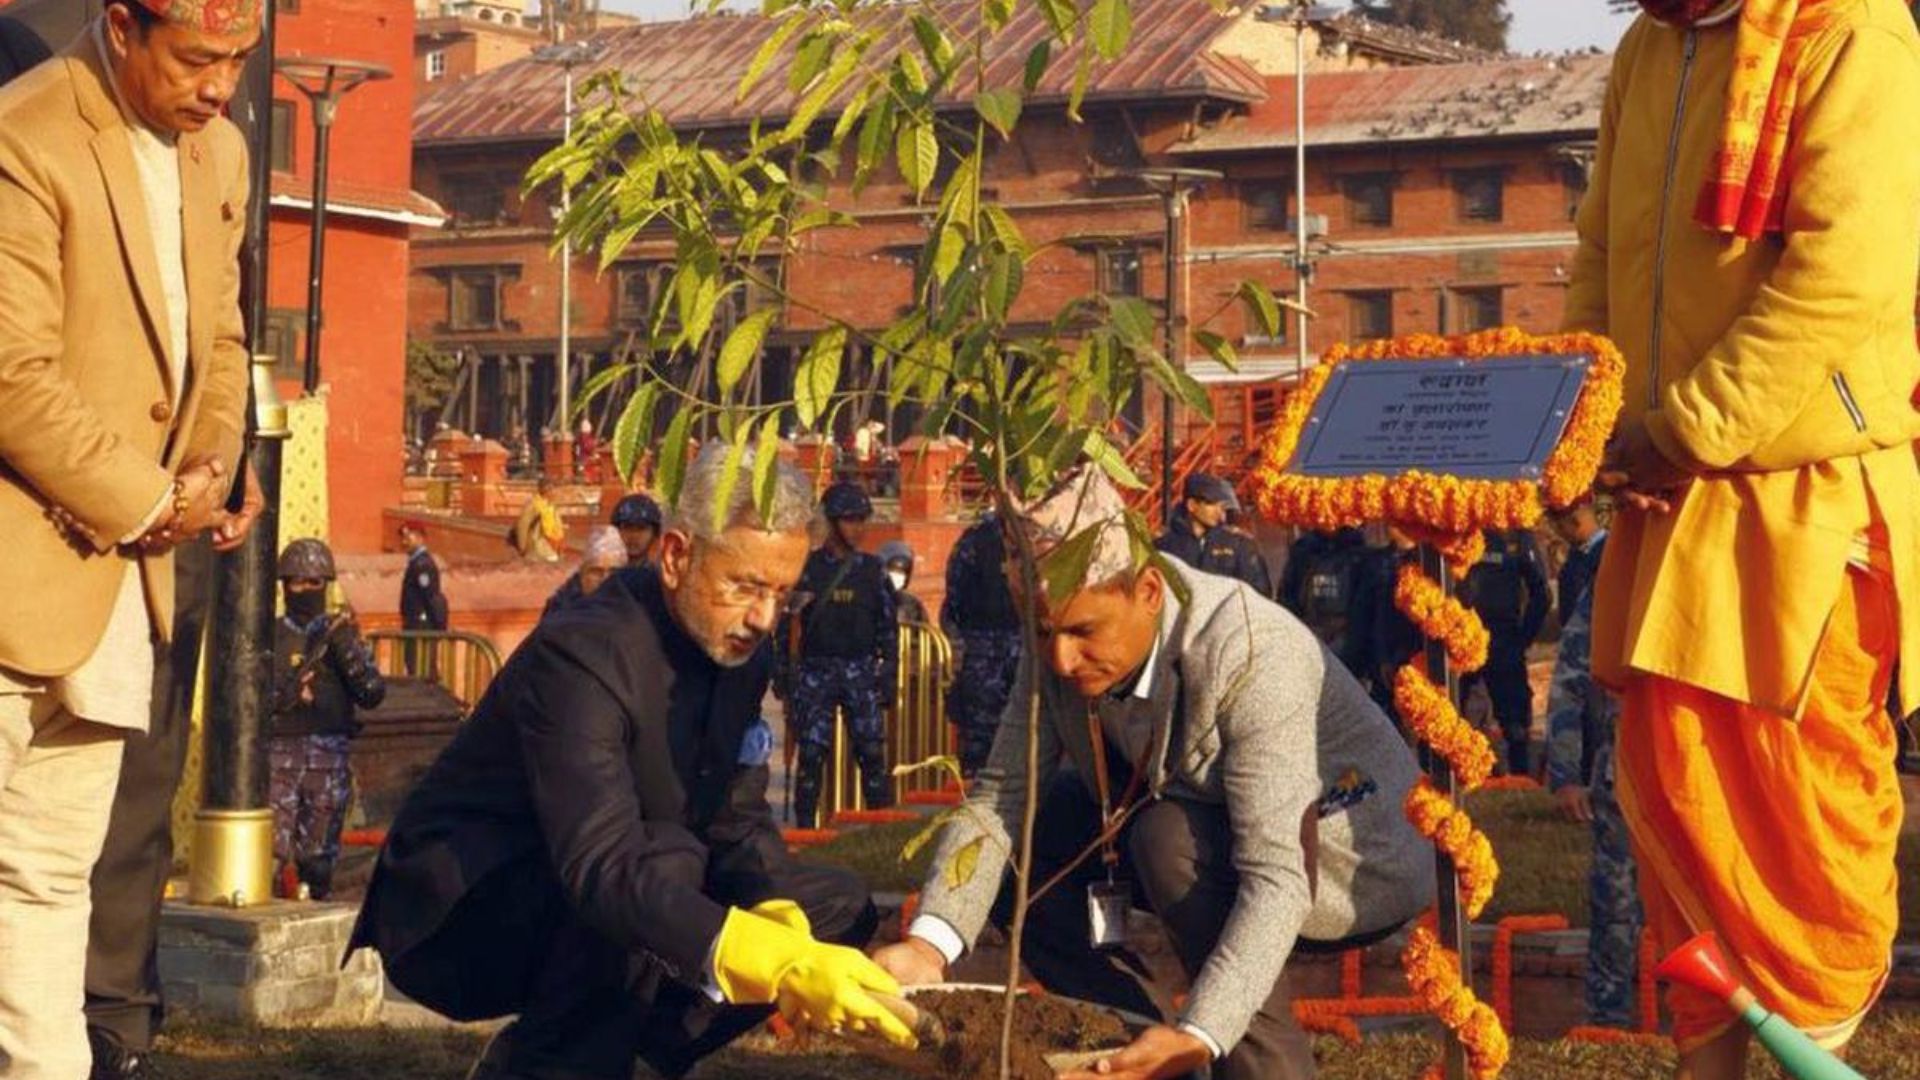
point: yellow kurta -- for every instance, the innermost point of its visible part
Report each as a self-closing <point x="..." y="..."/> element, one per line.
<point x="1755" y="755"/>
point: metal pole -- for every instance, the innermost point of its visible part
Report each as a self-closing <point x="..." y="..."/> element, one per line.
<point x="1452" y="914"/>
<point x="566" y="279"/>
<point x="233" y="829"/>
<point x="1172" y="200"/>
<point x="1301" y="267"/>
<point x="324" y="104"/>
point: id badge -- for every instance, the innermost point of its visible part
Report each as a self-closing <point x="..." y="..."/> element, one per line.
<point x="1107" y="907"/>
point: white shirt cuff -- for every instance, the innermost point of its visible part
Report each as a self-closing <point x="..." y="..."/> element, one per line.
<point x="709" y="983"/>
<point x="938" y="933"/>
<point x="1200" y="1033"/>
<point x="153" y="515"/>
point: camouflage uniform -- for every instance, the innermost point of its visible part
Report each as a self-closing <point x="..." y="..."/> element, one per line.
<point x="849" y="639"/>
<point x="311" y="785"/>
<point x="979" y="618"/>
<point x="1575" y="703"/>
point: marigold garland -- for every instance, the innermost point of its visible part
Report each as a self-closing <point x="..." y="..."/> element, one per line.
<point x="1452" y="831"/>
<point x="1442" y="503"/>
<point x="1503" y="935"/>
<point x="1434" y="973"/>
<point x="1434" y="719"/>
<point x="1442" y="618"/>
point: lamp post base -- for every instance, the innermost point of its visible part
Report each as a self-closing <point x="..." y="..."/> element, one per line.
<point x="232" y="858"/>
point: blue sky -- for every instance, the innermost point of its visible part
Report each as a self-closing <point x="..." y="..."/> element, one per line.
<point x="1537" y="24"/>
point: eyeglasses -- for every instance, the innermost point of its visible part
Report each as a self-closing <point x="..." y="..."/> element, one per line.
<point x="736" y="593"/>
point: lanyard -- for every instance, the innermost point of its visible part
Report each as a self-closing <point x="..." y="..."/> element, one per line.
<point x="1111" y="815"/>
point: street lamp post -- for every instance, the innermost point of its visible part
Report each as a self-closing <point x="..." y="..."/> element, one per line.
<point x="1301" y="14"/>
<point x="567" y="55"/>
<point x="1174" y="186"/>
<point x="324" y="81"/>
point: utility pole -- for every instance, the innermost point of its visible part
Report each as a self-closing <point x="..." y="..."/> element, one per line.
<point x="567" y="55"/>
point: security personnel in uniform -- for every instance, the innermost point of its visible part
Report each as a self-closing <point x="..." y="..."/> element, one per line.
<point x="1321" y="585"/>
<point x="1198" y="535"/>
<point x="897" y="557"/>
<point x="322" y="670"/>
<point x="637" y="517"/>
<point x="423" y="606"/>
<point x="983" y="627"/>
<point x="1508" y="590"/>
<point x="842" y="649"/>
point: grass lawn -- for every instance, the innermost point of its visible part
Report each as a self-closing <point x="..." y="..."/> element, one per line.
<point x="1888" y="1048"/>
<point x="1544" y="859"/>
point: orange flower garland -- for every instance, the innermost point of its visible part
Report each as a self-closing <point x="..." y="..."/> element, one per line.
<point x="1434" y="719"/>
<point x="1450" y="515"/>
<point x="1503" y="935"/>
<point x="1452" y="831"/>
<point x="1434" y="973"/>
<point x="1442" y="618"/>
<point x="1442" y="503"/>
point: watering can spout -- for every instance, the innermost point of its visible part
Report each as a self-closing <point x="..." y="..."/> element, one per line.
<point x="1702" y="965"/>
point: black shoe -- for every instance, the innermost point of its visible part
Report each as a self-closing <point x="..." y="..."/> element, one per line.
<point x="111" y="1061"/>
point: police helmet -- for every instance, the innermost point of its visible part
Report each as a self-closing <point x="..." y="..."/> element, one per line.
<point x="894" y="551"/>
<point x="846" y="501"/>
<point x="637" y="512"/>
<point x="306" y="559"/>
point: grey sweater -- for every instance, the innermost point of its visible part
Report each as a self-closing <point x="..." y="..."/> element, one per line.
<point x="1270" y="725"/>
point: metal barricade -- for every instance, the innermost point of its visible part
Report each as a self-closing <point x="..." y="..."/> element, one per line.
<point x="463" y="663"/>
<point x="917" y="727"/>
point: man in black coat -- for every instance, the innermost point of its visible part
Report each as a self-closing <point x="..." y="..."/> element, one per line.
<point x="423" y="606"/>
<point x="595" y="852"/>
<point x="1198" y="534"/>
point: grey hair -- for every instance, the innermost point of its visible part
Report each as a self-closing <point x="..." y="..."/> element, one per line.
<point x="693" y="513"/>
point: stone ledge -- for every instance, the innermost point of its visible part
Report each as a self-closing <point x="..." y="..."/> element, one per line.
<point x="277" y="963"/>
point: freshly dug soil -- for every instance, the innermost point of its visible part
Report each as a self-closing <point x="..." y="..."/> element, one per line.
<point x="1041" y="1026"/>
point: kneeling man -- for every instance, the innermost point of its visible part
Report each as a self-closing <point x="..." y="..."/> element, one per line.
<point x="1251" y="788"/>
<point x="594" y="851"/>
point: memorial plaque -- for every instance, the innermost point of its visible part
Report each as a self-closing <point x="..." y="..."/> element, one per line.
<point x="1493" y="419"/>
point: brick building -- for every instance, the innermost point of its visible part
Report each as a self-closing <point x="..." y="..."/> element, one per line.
<point x="371" y="210"/>
<point x="487" y="288"/>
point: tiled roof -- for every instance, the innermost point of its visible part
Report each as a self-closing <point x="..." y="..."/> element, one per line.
<point x="690" y="71"/>
<point x="346" y="197"/>
<point x="1515" y="96"/>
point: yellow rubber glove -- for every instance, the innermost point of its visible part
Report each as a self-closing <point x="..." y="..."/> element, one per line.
<point x="767" y="956"/>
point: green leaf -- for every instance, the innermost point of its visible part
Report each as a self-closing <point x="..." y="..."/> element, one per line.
<point x="706" y="303"/>
<point x="1038" y="58"/>
<point x="913" y="73"/>
<point x="934" y="43"/>
<point x="946" y="257"/>
<point x="765" y="54"/>
<point x="1132" y="318"/>
<point x="918" y="152"/>
<point x="598" y="385"/>
<point x="1081" y="73"/>
<point x="1061" y="16"/>
<point x="818" y="375"/>
<point x="997" y="13"/>
<point x="673" y="454"/>
<point x="742" y="346"/>
<point x="809" y="60"/>
<point x="729" y="475"/>
<point x="823" y="91"/>
<point x="965" y="862"/>
<point x="957" y="202"/>
<point x="1000" y="108"/>
<point x="1109" y="27"/>
<point x="1064" y="569"/>
<point x="634" y="429"/>
<point x="1218" y="348"/>
<point x="928" y="831"/>
<point x="946" y="763"/>
<point x="849" y="116"/>
<point x="876" y="132"/>
<point x="766" y="478"/>
<point x="1004" y="278"/>
<point x="1111" y="461"/>
<point x="1006" y="231"/>
<point x="1261" y="305"/>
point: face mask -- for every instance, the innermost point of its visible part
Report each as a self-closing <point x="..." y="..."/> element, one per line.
<point x="899" y="579"/>
<point x="304" y="607"/>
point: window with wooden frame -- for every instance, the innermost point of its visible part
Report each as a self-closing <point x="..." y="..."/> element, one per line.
<point x="1369" y="198"/>
<point x="1370" y="314"/>
<point x="1480" y="195"/>
<point x="1265" y="203"/>
<point x="473" y="299"/>
<point x="1478" y="308"/>
<point x="1117" y="271"/>
<point x="474" y="200"/>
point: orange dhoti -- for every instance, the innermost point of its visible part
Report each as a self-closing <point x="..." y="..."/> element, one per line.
<point x="1776" y="834"/>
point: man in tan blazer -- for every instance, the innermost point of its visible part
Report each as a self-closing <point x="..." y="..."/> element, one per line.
<point x="122" y="383"/>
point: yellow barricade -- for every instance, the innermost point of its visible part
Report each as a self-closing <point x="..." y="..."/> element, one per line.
<point x="916" y="724"/>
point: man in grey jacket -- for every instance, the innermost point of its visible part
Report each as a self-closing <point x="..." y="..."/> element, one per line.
<point x="1251" y="789"/>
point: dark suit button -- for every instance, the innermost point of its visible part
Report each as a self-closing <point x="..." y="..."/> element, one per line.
<point x="161" y="412"/>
